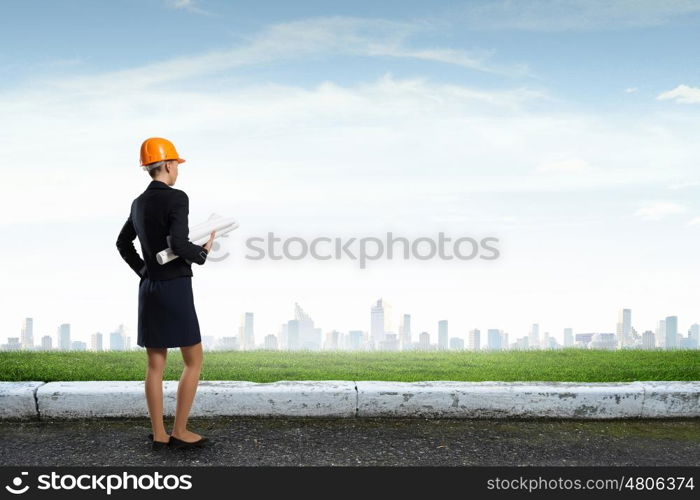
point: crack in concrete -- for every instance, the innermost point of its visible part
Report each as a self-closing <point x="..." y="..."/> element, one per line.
<point x="36" y="400"/>
<point x="357" y="400"/>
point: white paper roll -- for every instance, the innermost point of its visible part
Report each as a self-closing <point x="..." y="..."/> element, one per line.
<point x="199" y="235"/>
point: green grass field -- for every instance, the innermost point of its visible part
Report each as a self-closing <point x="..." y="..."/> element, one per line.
<point x="264" y="366"/>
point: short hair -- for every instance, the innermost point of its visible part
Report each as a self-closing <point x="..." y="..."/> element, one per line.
<point x="154" y="168"/>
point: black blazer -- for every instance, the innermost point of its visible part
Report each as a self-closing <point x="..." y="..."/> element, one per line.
<point x="158" y="212"/>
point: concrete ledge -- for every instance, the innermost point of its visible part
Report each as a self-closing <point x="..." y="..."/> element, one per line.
<point x="671" y="399"/>
<point x="214" y="398"/>
<point x="292" y="399"/>
<point x="94" y="399"/>
<point x="17" y="399"/>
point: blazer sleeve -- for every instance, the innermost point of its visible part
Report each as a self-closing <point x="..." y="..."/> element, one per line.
<point x="179" y="231"/>
<point x="127" y="250"/>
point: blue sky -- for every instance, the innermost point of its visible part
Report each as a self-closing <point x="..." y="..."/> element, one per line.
<point x="588" y="64"/>
<point x="567" y="128"/>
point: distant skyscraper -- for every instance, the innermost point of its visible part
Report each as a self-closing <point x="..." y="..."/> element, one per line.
<point x="405" y="332"/>
<point x="671" y="332"/>
<point x="624" y="327"/>
<point x="96" y="342"/>
<point x="27" y="335"/>
<point x="568" y="337"/>
<point x="424" y="341"/>
<point x="355" y="340"/>
<point x="583" y="339"/>
<point x="246" y="333"/>
<point x="456" y="344"/>
<point x="603" y="341"/>
<point x="494" y="339"/>
<point x="46" y="343"/>
<point x="78" y="345"/>
<point x="534" y="340"/>
<point x="309" y="337"/>
<point x="390" y="342"/>
<point x="545" y="341"/>
<point x="474" y="340"/>
<point x="694" y="336"/>
<point x="442" y="334"/>
<point x="228" y="343"/>
<point x="13" y="344"/>
<point x="117" y="339"/>
<point x="208" y="342"/>
<point x="648" y="340"/>
<point x="522" y="343"/>
<point x="270" y="342"/>
<point x="292" y="330"/>
<point x="332" y="340"/>
<point x="378" y="322"/>
<point x="64" y="343"/>
<point x="661" y="334"/>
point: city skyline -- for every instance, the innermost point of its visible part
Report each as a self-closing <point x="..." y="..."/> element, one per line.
<point x="301" y="333"/>
<point x="358" y="121"/>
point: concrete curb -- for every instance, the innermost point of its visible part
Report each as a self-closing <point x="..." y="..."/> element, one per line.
<point x="95" y="399"/>
<point x="214" y="398"/>
<point x="17" y="399"/>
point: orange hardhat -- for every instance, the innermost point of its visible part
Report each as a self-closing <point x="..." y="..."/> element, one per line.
<point x="158" y="149"/>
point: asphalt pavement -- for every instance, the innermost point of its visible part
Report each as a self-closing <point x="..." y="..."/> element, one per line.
<point x="351" y="442"/>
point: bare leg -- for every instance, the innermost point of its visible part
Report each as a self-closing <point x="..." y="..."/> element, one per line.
<point x="186" y="390"/>
<point x="154" y="390"/>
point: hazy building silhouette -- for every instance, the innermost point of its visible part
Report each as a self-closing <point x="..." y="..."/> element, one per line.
<point x="117" y="339"/>
<point x="64" y="342"/>
<point x="694" y="336"/>
<point x="671" y="332"/>
<point x="78" y="345"/>
<point x="624" y="327"/>
<point x="96" y="342"/>
<point x="246" y="334"/>
<point x="270" y="342"/>
<point x="332" y="340"/>
<point x="405" y="332"/>
<point x="27" y="334"/>
<point x="442" y="334"/>
<point x="228" y="343"/>
<point x="661" y="334"/>
<point x="474" y="340"/>
<point x="379" y="322"/>
<point x="46" y="343"/>
<point x="534" y="339"/>
<point x="424" y="341"/>
<point x="356" y="340"/>
<point x="648" y="340"/>
<point x="494" y="339"/>
<point x="568" y="337"/>
<point x="456" y="344"/>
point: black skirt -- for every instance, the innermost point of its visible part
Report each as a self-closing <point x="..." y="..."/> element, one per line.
<point x="167" y="317"/>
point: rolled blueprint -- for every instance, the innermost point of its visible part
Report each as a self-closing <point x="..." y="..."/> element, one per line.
<point x="199" y="235"/>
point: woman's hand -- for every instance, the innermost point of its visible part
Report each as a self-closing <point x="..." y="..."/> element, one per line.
<point x="208" y="244"/>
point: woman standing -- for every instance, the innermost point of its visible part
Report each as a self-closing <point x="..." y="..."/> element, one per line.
<point x="166" y="312"/>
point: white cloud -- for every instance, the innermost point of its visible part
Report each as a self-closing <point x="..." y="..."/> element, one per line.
<point x="631" y="90"/>
<point x="660" y="209"/>
<point x="684" y="185"/>
<point x="564" y="165"/>
<point x="559" y="15"/>
<point x="694" y="221"/>
<point x="189" y="5"/>
<point x="297" y="40"/>
<point x="682" y="94"/>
